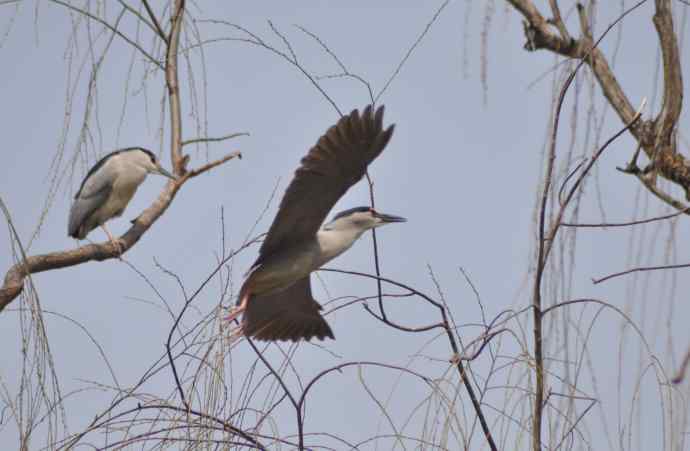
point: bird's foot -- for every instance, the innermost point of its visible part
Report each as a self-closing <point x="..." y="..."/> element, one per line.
<point x="239" y="309"/>
<point x="119" y="247"/>
<point x="118" y="244"/>
<point x="234" y="313"/>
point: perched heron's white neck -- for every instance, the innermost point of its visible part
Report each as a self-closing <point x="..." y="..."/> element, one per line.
<point x="333" y="242"/>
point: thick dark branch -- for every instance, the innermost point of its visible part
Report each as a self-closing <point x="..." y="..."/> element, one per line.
<point x="673" y="81"/>
<point x="138" y="16"/>
<point x="159" y="30"/>
<point x="557" y="20"/>
<point x="656" y="137"/>
<point x="540" y="36"/>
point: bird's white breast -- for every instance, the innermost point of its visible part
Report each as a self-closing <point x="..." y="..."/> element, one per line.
<point x="125" y="184"/>
<point x="281" y="270"/>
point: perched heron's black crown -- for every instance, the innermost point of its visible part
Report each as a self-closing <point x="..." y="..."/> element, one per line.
<point x="350" y="211"/>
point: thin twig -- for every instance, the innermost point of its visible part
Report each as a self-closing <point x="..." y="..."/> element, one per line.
<point x="113" y="29"/>
<point x="640" y="269"/>
<point x="467" y="383"/>
<point x="256" y="40"/>
<point x="214" y="139"/>
<point x="398" y="326"/>
<point x="377" y="266"/>
<point x="630" y="223"/>
<point x="411" y="49"/>
<point x="211" y="165"/>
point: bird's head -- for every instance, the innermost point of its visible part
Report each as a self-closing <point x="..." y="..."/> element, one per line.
<point x="146" y="160"/>
<point x="362" y="218"/>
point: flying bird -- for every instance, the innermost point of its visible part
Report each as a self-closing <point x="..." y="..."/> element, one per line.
<point x="275" y="299"/>
<point x="108" y="187"/>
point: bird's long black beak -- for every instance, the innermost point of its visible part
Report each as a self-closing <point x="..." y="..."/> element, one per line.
<point x="165" y="173"/>
<point x="390" y="218"/>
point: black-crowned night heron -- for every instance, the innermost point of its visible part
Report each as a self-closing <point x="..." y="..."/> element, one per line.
<point x="275" y="298"/>
<point x="108" y="187"/>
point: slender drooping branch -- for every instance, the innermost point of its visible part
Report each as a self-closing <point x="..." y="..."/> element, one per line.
<point x="111" y="28"/>
<point x="446" y="325"/>
<point x="546" y="239"/>
<point x="213" y="139"/>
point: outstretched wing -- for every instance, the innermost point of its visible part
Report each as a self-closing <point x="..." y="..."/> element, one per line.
<point x="337" y="161"/>
<point x="93" y="193"/>
<point x="291" y="314"/>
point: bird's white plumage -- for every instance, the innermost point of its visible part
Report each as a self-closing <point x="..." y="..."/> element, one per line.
<point x="108" y="188"/>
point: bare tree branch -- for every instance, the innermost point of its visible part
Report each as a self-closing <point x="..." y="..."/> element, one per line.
<point x="639" y="269"/>
<point x="656" y="137"/>
<point x="629" y="223"/>
<point x="172" y="83"/>
<point x="666" y="121"/>
<point x="557" y="20"/>
<point x="546" y="239"/>
<point x="160" y="31"/>
<point x="187" y="142"/>
<point x="467" y="383"/>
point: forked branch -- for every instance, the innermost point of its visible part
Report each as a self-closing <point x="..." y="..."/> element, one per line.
<point x="657" y="136"/>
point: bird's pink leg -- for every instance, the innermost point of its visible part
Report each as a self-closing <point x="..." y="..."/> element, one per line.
<point x="238" y="310"/>
<point x="116" y="243"/>
<point x="237" y="333"/>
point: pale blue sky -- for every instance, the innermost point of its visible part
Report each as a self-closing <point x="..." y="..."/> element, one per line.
<point x="463" y="172"/>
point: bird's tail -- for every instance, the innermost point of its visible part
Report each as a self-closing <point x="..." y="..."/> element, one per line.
<point x="288" y="327"/>
<point x="279" y="317"/>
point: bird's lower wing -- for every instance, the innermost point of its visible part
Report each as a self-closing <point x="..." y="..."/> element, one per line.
<point x="83" y="207"/>
<point x="291" y="314"/>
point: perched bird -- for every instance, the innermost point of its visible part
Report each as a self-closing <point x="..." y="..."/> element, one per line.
<point x="108" y="187"/>
<point x="275" y="298"/>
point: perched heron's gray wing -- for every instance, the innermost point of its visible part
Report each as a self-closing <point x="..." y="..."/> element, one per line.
<point x="337" y="161"/>
<point x="93" y="193"/>
<point x="290" y="314"/>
